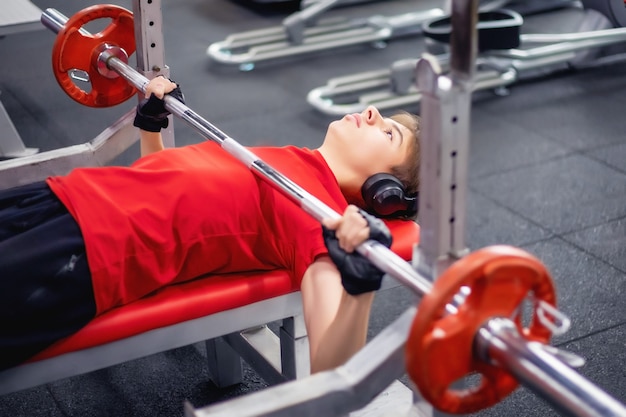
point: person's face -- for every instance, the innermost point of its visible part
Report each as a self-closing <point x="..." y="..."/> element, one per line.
<point x="370" y="143"/>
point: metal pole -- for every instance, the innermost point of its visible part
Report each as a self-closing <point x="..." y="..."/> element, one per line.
<point x="509" y="353"/>
<point x="150" y="54"/>
<point x="446" y="111"/>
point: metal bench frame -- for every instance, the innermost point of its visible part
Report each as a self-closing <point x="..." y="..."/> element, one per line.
<point x="230" y="336"/>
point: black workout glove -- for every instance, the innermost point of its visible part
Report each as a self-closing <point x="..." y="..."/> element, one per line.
<point x="358" y="275"/>
<point x="152" y="114"/>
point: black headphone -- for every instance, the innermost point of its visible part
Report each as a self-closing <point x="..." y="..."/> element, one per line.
<point x="385" y="196"/>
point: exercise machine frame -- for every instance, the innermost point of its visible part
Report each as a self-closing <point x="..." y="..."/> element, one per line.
<point x="538" y="54"/>
<point x="303" y="32"/>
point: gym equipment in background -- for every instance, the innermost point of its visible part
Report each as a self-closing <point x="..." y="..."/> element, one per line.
<point x="506" y="56"/>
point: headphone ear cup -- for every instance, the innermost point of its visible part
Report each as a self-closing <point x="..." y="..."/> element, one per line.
<point x="384" y="195"/>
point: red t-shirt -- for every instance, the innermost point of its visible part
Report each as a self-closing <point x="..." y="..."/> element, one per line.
<point x="184" y="212"/>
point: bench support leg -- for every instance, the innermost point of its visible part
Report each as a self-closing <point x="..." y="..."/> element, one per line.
<point x="294" y="348"/>
<point x="225" y="367"/>
<point x="276" y="358"/>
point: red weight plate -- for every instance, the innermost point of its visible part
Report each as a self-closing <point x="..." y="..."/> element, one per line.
<point x="439" y="350"/>
<point x="74" y="50"/>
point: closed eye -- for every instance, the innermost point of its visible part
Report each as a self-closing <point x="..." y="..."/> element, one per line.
<point x="389" y="133"/>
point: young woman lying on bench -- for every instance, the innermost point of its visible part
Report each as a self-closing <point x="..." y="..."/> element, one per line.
<point x="77" y="246"/>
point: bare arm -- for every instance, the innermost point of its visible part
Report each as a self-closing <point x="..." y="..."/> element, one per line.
<point x="150" y="142"/>
<point x="336" y="321"/>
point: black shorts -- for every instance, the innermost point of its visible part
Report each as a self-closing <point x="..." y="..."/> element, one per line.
<point x="45" y="284"/>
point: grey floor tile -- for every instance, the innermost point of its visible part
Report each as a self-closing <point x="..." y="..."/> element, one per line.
<point x="606" y="241"/>
<point x="489" y="223"/>
<point x="561" y="195"/>
<point x="575" y="119"/>
<point x="602" y="351"/>
<point x="613" y="155"/>
<point x="35" y="402"/>
<point x="498" y="146"/>
<point x="589" y="291"/>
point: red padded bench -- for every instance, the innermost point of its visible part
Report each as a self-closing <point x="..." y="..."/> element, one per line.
<point x="221" y="307"/>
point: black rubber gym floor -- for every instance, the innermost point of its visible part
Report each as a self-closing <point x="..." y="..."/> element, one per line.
<point x="547" y="174"/>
